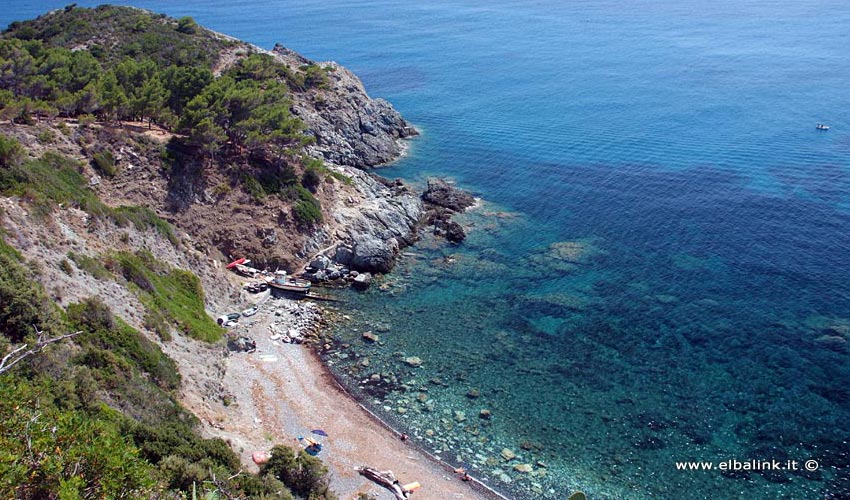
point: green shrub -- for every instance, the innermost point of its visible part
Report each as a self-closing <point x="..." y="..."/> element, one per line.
<point x="187" y="25"/>
<point x="306" y="210"/>
<point x="168" y="293"/>
<point x="23" y="303"/>
<point x="253" y="187"/>
<point x="50" y="453"/>
<point x="46" y="136"/>
<point x="86" y="120"/>
<point x="104" y="331"/>
<point x="11" y="152"/>
<point x="144" y="218"/>
<point x="90" y="265"/>
<point x="104" y="162"/>
<point x="311" y="179"/>
<point x="305" y="475"/>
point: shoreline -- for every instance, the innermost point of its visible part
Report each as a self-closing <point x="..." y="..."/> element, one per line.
<point x="474" y="483"/>
<point x="283" y="391"/>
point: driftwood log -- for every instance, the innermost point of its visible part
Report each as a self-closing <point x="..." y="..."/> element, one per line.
<point x="386" y="479"/>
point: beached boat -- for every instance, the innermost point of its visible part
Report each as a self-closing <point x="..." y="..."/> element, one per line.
<point x="290" y="284"/>
<point x="246" y="271"/>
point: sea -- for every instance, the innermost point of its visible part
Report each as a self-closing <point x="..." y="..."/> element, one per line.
<point x="653" y="300"/>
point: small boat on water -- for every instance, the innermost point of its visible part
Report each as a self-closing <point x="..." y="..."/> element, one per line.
<point x="289" y="284"/>
<point x="821" y="126"/>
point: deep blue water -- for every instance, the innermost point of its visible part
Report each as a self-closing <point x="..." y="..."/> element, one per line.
<point x="659" y="269"/>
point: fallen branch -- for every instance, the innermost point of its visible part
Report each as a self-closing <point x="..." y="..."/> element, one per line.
<point x="386" y="479"/>
<point x="24" y="351"/>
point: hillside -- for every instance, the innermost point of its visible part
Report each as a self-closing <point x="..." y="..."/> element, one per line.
<point x="138" y="153"/>
<point x="246" y="150"/>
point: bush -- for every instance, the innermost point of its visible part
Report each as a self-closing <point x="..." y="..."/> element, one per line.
<point x="307" y="210"/>
<point x="23" y="302"/>
<point x="253" y="187"/>
<point x="103" y="331"/>
<point x="104" y="162"/>
<point x="86" y="120"/>
<point x="168" y="293"/>
<point x="46" y="136"/>
<point x="311" y="179"/>
<point x="11" y="152"/>
<point x="48" y="451"/>
<point x="90" y="265"/>
<point x="305" y="475"/>
<point x="187" y="25"/>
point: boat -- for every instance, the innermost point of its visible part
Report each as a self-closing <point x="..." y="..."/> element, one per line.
<point x="247" y="271"/>
<point x="821" y="126"/>
<point x="289" y="284"/>
<point x="237" y="262"/>
<point x="250" y="311"/>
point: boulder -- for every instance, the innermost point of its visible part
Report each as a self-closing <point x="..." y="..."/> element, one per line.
<point x="344" y="255"/>
<point x="454" y="231"/>
<point x="507" y="454"/>
<point x="362" y="281"/>
<point x="374" y="254"/>
<point x="485" y="414"/>
<point x="320" y="262"/>
<point x="370" y="337"/>
<point x="524" y="468"/>
<point x="443" y="194"/>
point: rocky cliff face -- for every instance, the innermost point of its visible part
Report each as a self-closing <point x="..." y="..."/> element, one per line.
<point x="371" y="225"/>
<point x="350" y="127"/>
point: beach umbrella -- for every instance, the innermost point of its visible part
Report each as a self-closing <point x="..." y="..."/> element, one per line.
<point x="320" y="432"/>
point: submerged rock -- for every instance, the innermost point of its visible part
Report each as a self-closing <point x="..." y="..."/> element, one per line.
<point x="413" y="361"/>
<point x="524" y="468"/>
<point x="507" y="454"/>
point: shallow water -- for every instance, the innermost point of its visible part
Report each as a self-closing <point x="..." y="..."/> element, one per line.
<point x="695" y="304"/>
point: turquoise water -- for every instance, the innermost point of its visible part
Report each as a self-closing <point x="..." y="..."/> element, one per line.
<point x="659" y="269"/>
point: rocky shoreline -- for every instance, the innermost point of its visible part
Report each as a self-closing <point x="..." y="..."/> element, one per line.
<point x="370" y="228"/>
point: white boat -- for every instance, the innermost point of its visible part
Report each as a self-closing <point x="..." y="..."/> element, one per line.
<point x="289" y="284"/>
<point x="821" y="126"/>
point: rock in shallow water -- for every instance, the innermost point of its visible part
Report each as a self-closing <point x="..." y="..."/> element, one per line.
<point x="362" y="281"/>
<point x="413" y="361"/>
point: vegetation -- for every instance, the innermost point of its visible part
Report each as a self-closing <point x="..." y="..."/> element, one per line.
<point x="305" y="475"/>
<point x="90" y="265"/>
<point x="169" y="294"/>
<point x="97" y="417"/>
<point x="104" y="162"/>
<point x="306" y="210"/>
<point x="54" y="178"/>
<point x="148" y="67"/>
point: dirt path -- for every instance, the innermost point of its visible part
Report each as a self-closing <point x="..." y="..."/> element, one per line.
<point x="282" y="392"/>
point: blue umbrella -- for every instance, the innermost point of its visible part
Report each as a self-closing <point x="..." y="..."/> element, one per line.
<point x="320" y="432"/>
